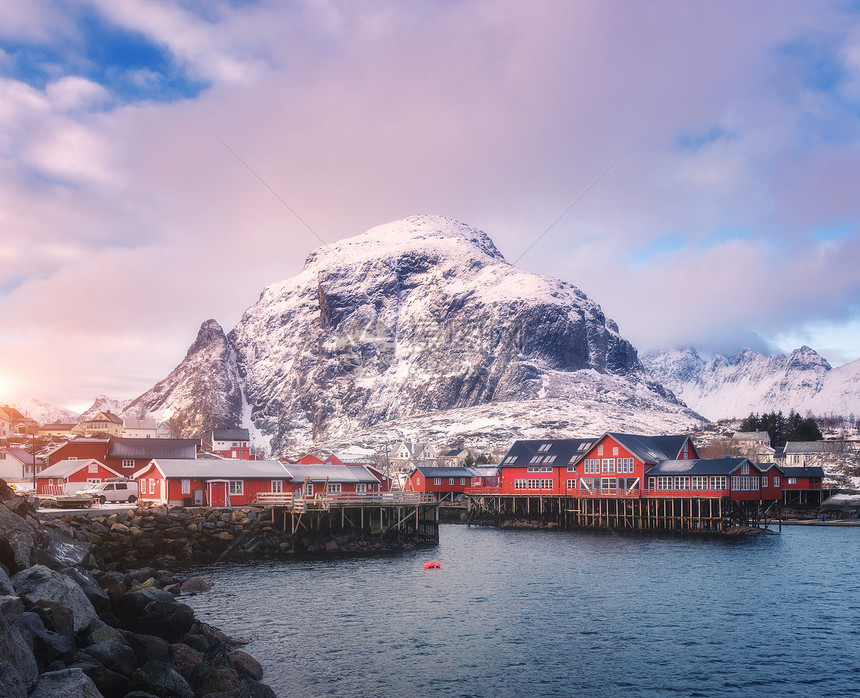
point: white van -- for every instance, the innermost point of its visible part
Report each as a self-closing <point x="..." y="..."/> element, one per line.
<point x="113" y="490"/>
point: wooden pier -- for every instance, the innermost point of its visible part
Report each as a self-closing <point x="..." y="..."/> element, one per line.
<point x="680" y="514"/>
<point x="403" y="516"/>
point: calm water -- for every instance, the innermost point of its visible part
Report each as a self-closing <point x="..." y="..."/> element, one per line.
<point x="556" y="613"/>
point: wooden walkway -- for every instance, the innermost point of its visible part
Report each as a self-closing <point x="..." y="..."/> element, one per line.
<point x="404" y="516"/>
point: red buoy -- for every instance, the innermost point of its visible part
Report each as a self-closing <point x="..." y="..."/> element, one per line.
<point x="432" y="565"/>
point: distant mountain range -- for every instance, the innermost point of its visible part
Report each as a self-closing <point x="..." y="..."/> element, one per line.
<point x="420" y="329"/>
<point x="718" y="386"/>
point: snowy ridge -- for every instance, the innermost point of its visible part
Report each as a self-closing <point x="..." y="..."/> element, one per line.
<point x="45" y="412"/>
<point x="103" y="403"/>
<point x="721" y="387"/>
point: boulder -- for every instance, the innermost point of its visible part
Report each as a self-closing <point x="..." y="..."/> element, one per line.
<point x="109" y="683"/>
<point x="48" y="646"/>
<point x="155" y="612"/>
<point x="185" y="658"/>
<point x="195" y="584"/>
<point x="18" y="667"/>
<point x="160" y="679"/>
<point x="207" y="678"/>
<point x="98" y="597"/>
<point x="39" y="583"/>
<point x="244" y="663"/>
<point x="114" y="655"/>
<point x="254" y="689"/>
<point x="69" y="683"/>
<point x="148" y="647"/>
<point x="17" y="540"/>
<point x="6" y="588"/>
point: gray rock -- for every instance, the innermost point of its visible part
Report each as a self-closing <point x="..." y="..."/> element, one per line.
<point x="17" y="540"/>
<point x="39" y="583"/>
<point x="255" y="689"/>
<point x="110" y="683"/>
<point x="48" y="646"/>
<point x="18" y="667"/>
<point x="162" y="680"/>
<point x="244" y="663"/>
<point x="114" y="655"/>
<point x="97" y="596"/>
<point x="195" y="584"/>
<point x="68" y="683"/>
<point x="6" y="587"/>
<point x="148" y="647"/>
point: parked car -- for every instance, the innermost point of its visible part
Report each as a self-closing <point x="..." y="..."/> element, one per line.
<point x="114" y="490"/>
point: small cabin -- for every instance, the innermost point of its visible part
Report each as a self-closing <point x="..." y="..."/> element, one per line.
<point x="68" y="476"/>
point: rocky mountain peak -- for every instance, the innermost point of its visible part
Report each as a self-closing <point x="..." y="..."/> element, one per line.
<point x="210" y="333"/>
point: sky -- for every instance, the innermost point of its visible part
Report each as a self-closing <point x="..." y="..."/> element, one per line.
<point x="691" y="166"/>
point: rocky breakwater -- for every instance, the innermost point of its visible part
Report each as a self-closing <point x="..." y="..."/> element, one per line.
<point x="162" y="535"/>
<point x="71" y="627"/>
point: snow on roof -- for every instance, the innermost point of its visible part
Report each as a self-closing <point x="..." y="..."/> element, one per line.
<point x="64" y="468"/>
<point x="228" y="468"/>
<point x="129" y="423"/>
<point x="808" y="447"/>
<point x="21" y="455"/>
<point x="443" y="471"/>
<point x="319" y="472"/>
<point x="700" y="466"/>
<point x="152" y="448"/>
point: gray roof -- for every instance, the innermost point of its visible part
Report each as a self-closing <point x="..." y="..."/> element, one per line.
<point x="231" y="435"/>
<point x="700" y="466"/>
<point x="21" y="455"/>
<point x="318" y="472"/>
<point x="230" y="468"/>
<point x="129" y="423"/>
<point x="443" y="471"/>
<point x="152" y="448"/>
<point x="751" y="436"/>
<point x="456" y="453"/>
<point x="565" y="451"/>
<point x="802" y="472"/>
<point x="651" y="449"/>
<point x="808" y="447"/>
<point x="64" y="468"/>
<point x="484" y="470"/>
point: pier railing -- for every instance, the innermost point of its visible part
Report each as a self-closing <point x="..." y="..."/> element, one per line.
<point x="325" y="501"/>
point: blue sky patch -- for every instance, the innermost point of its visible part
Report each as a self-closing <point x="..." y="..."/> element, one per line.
<point x="128" y="64"/>
<point x="694" y="141"/>
<point x="843" y="231"/>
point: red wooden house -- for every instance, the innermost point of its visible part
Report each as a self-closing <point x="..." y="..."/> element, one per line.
<point x="79" y="449"/>
<point x="68" y="476"/>
<point x="216" y="483"/>
<point x="540" y="466"/>
<point x="802" y="485"/>
<point x="125" y="455"/>
<point x="445" y="482"/>
<point x="737" y="479"/>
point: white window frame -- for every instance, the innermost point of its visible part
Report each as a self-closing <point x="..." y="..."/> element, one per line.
<point x="607" y="465"/>
<point x="334" y="488"/>
<point x="437" y="481"/>
<point x="277" y="486"/>
<point x="152" y="486"/>
<point x="776" y="480"/>
<point x="93" y="468"/>
<point x="236" y="487"/>
<point x="185" y="486"/>
<point x="361" y="487"/>
<point x="571" y="483"/>
<point x="128" y="462"/>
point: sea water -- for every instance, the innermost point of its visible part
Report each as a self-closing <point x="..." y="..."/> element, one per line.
<point x="514" y="613"/>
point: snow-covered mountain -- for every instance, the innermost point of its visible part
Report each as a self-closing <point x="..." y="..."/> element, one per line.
<point x="45" y="412"/>
<point x="103" y="403"/>
<point x="718" y="386"/>
<point x="412" y="320"/>
<point x="203" y="392"/>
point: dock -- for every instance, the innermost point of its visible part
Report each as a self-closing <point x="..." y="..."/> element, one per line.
<point x="403" y="516"/>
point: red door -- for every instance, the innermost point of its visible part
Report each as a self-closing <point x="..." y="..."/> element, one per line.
<point x="217" y="494"/>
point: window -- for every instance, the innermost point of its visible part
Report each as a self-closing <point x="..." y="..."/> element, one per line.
<point x="533" y="484"/>
<point x="277" y="486"/>
<point x="600" y="450"/>
<point x="450" y="481"/>
<point x="615" y="450"/>
<point x="152" y="486"/>
<point x="544" y="447"/>
<point x="664" y="483"/>
<point x="128" y="463"/>
<point x="754" y="483"/>
<point x="608" y="465"/>
<point x="745" y="469"/>
<point x="608" y="483"/>
<point x="682" y="483"/>
<point x="571" y="468"/>
<point x="652" y="483"/>
<point x="462" y="481"/>
<point x="718" y="482"/>
<point x="418" y="482"/>
<point x="549" y="459"/>
<point x="93" y="480"/>
<point x="437" y="480"/>
<point x="625" y="465"/>
<point x="333" y="488"/>
<point x="685" y="451"/>
<point x="592" y="466"/>
<point x="186" y="486"/>
<point x="776" y="480"/>
<point x="72" y="458"/>
<point x="237" y="487"/>
<point x="791" y="481"/>
<point x="571" y="483"/>
<point x="93" y="468"/>
<point x="764" y="482"/>
<point x="539" y="469"/>
<point x="50" y="482"/>
<point x="2" y="455"/>
<point x="699" y="482"/>
<point x="361" y="488"/>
